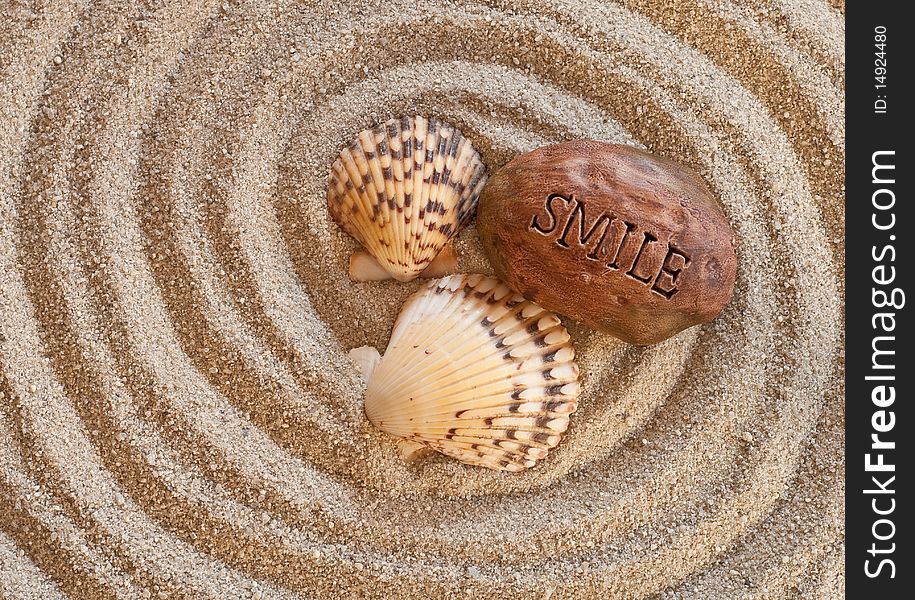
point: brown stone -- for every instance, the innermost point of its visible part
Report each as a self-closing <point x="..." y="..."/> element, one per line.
<point x="627" y="242"/>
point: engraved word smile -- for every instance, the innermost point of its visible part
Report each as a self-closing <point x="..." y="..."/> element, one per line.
<point x="615" y="242"/>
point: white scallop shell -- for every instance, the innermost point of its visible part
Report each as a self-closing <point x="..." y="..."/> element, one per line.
<point x="404" y="189"/>
<point x="476" y="372"/>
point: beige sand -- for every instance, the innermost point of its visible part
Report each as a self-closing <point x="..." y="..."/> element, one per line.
<point x="178" y="418"/>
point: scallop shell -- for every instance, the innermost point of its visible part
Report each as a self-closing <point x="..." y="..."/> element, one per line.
<point x="476" y="372"/>
<point x="404" y="189"/>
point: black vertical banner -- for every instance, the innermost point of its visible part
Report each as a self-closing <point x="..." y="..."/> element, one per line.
<point x="879" y="242"/>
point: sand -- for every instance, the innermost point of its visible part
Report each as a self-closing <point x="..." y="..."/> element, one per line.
<point x="178" y="418"/>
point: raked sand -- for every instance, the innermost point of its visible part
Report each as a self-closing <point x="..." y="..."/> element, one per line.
<point x="178" y="417"/>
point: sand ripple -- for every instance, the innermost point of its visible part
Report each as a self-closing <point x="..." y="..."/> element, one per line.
<point x="178" y="417"/>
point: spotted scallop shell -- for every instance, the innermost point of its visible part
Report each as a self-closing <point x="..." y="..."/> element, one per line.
<point x="403" y="190"/>
<point x="476" y="372"/>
